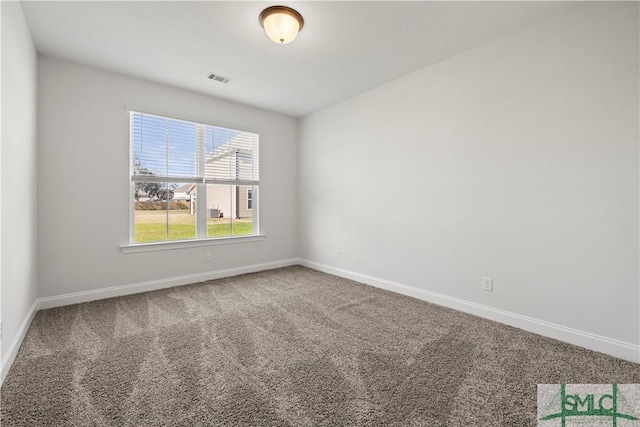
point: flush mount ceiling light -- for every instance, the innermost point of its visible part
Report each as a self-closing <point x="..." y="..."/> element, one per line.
<point x="281" y="23"/>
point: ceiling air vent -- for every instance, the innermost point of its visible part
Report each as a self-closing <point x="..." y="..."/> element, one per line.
<point x="219" y="78"/>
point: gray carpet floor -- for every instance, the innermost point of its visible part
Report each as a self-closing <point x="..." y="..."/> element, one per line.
<point x="286" y="347"/>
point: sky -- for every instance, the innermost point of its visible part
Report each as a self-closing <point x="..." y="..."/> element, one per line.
<point x="150" y="148"/>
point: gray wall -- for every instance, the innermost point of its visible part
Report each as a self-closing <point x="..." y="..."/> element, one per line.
<point x="516" y="160"/>
<point x="84" y="152"/>
<point x="18" y="278"/>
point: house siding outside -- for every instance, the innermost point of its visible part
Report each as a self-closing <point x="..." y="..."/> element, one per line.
<point x="223" y="197"/>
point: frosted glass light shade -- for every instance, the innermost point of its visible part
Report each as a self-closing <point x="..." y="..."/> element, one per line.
<point x="282" y="24"/>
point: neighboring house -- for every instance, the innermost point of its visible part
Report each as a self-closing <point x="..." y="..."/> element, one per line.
<point x="225" y="164"/>
<point x="229" y="201"/>
<point x="230" y="162"/>
<point x="142" y="196"/>
<point x="183" y="192"/>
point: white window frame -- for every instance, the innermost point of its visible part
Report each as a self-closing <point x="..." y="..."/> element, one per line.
<point x="201" y="238"/>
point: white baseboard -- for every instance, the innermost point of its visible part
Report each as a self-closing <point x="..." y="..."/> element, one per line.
<point x="11" y="354"/>
<point x="584" y="339"/>
<point x="153" y="285"/>
<point x="620" y="349"/>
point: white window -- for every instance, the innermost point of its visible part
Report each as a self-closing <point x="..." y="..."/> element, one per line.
<point x="187" y="179"/>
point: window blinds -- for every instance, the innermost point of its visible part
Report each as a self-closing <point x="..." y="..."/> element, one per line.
<point x="165" y="149"/>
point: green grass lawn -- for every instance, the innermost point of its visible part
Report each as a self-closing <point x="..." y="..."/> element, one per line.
<point x="151" y="226"/>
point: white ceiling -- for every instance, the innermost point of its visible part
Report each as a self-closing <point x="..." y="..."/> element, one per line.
<point x="345" y="48"/>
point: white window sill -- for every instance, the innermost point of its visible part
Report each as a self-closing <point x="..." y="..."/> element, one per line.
<point x="183" y="244"/>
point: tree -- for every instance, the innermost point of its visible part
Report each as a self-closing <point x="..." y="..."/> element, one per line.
<point x="155" y="190"/>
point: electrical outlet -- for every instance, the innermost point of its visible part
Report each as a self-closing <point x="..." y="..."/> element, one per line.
<point x="487" y="284"/>
<point x="207" y="257"/>
<point x="338" y="253"/>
